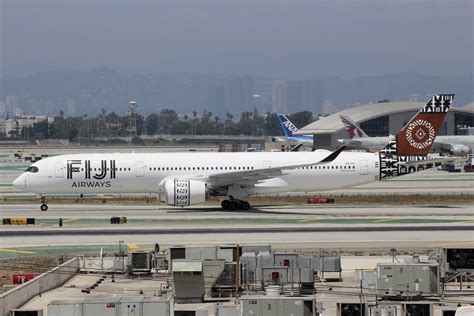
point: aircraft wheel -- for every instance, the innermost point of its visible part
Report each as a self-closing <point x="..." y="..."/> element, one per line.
<point x="244" y="206"/>
<point x="225" y="204"/>
<point x="44" y="207"/>
<point x="232" y="206"/>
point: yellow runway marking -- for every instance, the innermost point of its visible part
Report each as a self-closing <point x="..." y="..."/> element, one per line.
<point x="17" y="251"/>
<point x="469" y="243"/>
<point x="307" y="220"/>
<point x="70" y="220"/>
<point x="133" y="246"/>
<point x="385" y="220"/>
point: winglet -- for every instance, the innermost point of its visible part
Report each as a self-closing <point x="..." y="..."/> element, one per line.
<point x="333" y="155"/>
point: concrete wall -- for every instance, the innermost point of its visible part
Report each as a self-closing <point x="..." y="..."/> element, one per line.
<point x="52" y="279"/>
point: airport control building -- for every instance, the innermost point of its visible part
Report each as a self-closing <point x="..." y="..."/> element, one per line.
<point x="382" y="119"/>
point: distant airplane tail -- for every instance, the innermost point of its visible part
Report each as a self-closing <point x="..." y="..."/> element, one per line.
<point x="352" y="129"/>
<point x="407" y="151"/>
<point x="288" y="127"/>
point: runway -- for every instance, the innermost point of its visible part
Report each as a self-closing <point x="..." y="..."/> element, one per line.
<point x="366" y="227"/>
<point x="322" y="226"/>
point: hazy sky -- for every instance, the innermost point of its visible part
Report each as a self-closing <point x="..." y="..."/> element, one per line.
<point x="282" y="38"/>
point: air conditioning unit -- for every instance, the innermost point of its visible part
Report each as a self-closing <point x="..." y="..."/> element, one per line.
<point x="140" y="261"/>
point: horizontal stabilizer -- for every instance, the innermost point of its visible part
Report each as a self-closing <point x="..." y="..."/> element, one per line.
<point x="431" y="160"/>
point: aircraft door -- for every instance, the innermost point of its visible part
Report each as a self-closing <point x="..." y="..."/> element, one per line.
<point x="140" y="169"/>
<point x="364" y="167"/>
<point x="59" y="170"/>
<point x="267" y="164"/>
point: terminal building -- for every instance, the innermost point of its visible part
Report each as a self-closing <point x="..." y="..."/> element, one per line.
<point x="382" y="119"/>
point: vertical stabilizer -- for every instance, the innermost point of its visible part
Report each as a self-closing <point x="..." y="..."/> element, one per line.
<point x="415" y="139"/>
<point x="352" y="129"/>
<point x="288" y="127"/>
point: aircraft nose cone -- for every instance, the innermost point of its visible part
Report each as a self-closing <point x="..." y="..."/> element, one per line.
<point x="19" y="182"/>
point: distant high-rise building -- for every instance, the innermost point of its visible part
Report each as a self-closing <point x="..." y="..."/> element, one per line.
<point x="71" y="107"/>
<point x="279" y="96"/>
<point x="313" y="95"/>
<point x="3" y="108"/>
<point x="12" y="103"/>
<point x="294" y="95"/>
<point x="239" y="93"/>
<point x="216" y="99"/>
<point x="329" y="107"/>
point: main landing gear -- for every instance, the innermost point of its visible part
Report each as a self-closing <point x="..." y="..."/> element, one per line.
<point x="44" y="206"/>
<point x="233" y="205"/>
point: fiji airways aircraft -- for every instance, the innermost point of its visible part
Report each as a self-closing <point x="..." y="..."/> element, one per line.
<point x="458" y="145"/>
<point x="183" y="179"/>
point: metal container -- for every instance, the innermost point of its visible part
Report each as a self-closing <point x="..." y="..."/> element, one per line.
<point x="401" y="279"/>
<point x="278" y="306"/>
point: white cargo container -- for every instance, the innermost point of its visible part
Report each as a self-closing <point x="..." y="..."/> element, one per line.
<point x="117" y="306"/>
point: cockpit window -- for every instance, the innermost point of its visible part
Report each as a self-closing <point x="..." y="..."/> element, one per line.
<point x="32" y="169"/>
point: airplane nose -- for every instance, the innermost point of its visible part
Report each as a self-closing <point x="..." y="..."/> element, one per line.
<point x="20" y="182"/>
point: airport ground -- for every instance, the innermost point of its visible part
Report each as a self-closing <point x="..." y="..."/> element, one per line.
<point x="423" y="210"/>
<point x="414" y="214"/>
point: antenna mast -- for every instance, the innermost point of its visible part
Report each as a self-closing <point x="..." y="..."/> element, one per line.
<point x="132" y="125"/>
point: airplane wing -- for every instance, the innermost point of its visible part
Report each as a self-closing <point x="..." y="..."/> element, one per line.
<point x="250" y="177"/>
<point x="297" y="147"/>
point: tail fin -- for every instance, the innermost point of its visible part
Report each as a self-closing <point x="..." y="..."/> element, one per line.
<point x="414" y="141"/>
<point x="417" y="137"/>
<point x="288" y="127"/>
<point x="352" y="129"/>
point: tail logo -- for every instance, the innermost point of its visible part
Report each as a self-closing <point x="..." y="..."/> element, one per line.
<point x="420" y="134"/>
<point x="291" y="127"/>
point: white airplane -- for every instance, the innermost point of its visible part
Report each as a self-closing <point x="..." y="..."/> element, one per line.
<point x="183" y="179"/>
<point x="457" y="145"/>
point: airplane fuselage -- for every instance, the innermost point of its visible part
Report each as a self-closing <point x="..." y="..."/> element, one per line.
<point x="145" y="173"/>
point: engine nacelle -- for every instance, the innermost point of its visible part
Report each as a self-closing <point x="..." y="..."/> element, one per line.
<point x="459" y="150"/>
<point x="184" y="192"/>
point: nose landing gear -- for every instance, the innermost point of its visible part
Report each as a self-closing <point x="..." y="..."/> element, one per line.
<point x="232" y="205"/>
<point x="44" y="206"/>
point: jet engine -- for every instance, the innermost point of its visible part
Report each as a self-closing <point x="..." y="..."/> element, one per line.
<point x="183" y="192"/>
<point x="459" y="150"/>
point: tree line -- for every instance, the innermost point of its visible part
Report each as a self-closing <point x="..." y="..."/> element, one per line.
<point x="167" y="121"/>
